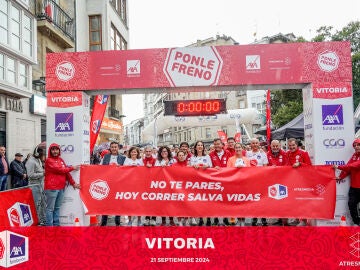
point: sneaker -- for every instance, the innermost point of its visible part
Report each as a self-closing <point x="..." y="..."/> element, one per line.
<point x="172" y="223"/>
<point x="226" y="222"/>
<point x="147" y="222"/>
<point x="152" y="222"/>
<point x="193" y="222"/>
<point x="139" y="223"/>
<point x="129" y="223"/>
<point x="216" y="221"/>
<point x="163" y="222"/>
<point x="208" y="222"/>
<point x="292" y="222"/>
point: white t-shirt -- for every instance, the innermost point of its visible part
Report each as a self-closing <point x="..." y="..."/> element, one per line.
<point x="163" y="162"/>
<point x="203" y="160"/>
<point x="257" y="158"/>
<point x="136" y="162"/>
<point x="239" y="162"/>
<point x="113" y="160"/>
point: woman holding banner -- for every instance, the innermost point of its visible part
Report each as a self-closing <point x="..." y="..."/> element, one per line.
<point x="133" y="158"/>
<point x="200" y="160"/>
<point x="238" y="161"/>
<point x="164" y="158"/>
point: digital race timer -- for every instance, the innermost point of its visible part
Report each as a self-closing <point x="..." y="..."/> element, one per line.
<point x="195" y="107"/>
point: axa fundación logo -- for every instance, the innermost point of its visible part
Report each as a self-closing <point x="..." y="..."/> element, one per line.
<point x="253" y="62"/>
<point x="64" y="122"/>
<point x="99" y="189"/>
<point x="133" y="67"/>
<point x="65" y="71"/>
<point x="14" y="248"/>
<point x="278" y="191"/>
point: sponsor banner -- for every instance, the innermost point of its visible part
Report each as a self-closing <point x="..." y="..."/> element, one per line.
<point x="223" y="136"/>
<point x="64" y="100"/>
<point x="17" y="208"/>
<point x="306" y="192"/>
<point x="97" y="117"/>
<point x="111" y="124"/>
<point x="332" y="90"/>
<point x="185" y="247"/>
<point x="69" y="127"/>
<point x="199" y="66"/>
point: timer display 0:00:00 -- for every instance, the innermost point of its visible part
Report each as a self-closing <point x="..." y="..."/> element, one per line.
<point x="207" y="106"/>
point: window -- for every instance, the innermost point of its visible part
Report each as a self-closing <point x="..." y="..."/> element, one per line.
<point x="208" y="133"/>
<point x="23" y="75"/>
<point x="241" y="104"/>
<point x="2" y="67"/>
<point x="27" y="35"/>
<point x="117" y="42"/>
<point x="15" y="28"/>
<point x="3" y="22"/>
<point x="120" y="8"/>
<point x="184" y="135"/>
<point x="95" y="33"/>
<point x="189" y="135"/>
<point x="11" y="72"/>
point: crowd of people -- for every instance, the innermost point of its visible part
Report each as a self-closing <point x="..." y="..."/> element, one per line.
<point x="218" y="155"/>
<point x="215" y="156"/>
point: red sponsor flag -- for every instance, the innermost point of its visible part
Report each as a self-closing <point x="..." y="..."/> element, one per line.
<point x="96" y="118"/>
<point x="223" y="137"/>
<point x="237" y="137"/>
<point x="268" y="118"/>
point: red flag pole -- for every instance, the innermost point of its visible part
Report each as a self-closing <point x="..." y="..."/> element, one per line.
<point x="268" y="118"/>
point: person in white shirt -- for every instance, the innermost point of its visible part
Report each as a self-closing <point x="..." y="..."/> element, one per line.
<point x="200" y="159"/>
<point x="164" y="158"/>
<point x="133" y="157"/>
<point x="258" y="158"/>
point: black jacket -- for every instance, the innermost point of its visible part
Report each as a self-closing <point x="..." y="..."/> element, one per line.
<point x="18" y="170"/>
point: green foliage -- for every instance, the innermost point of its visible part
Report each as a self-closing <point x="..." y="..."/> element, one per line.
<point x="287" y="112"/>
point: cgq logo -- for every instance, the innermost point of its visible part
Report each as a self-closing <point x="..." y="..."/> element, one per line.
<point x="334" y="143"/>
<point x="65" y="71"/>
<point x="99" y="189"/>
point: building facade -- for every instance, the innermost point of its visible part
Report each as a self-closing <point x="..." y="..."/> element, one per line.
<point x="19" y="128"/>
<point x="103" y="25"/>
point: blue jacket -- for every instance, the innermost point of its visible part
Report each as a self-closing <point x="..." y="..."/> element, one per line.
<point x="106" y="160"/>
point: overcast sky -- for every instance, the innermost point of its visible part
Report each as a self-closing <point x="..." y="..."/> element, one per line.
<point x="170" y="23"/>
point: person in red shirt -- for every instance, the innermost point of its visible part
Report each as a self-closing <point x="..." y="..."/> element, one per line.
<point x="185" y="147"/>
<point x="296" y="156"/>
<point x="231" y="145"/>
<point x="276" y="156"/>
<point x="219" y="156"/>
<point x="181" y="159"/>
<point x="148" y="160"/>
<point x="56" y="176"/>
<point x="352" y="168"/>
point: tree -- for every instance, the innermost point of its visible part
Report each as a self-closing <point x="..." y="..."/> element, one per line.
<point x="287" y="112"/>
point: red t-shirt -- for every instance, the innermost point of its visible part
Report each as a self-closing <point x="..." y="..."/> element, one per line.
<point x="216" y="161"/>
<point x="298" y="156"/>
<point x="352" y="168"/>
<point x="149" y="160"/>
<point x="280" y="160"/>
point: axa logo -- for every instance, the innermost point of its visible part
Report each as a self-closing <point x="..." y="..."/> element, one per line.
<point x="133" y="67"/>
<point x="96" y="126"/>
<point x="332" y="114"/>
<point x="14" y="249"/>
<point x="278" y="191"/>
<point x="102" y="99"/>
<point x="253" y="62"/>
<point x="64" y="122"/>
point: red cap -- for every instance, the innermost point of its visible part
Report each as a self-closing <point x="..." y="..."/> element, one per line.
<point x="356" y="141"/>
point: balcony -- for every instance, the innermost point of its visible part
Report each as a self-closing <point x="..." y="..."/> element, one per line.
<point x="114" y="114"/>
<point x="55" y="23"/>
